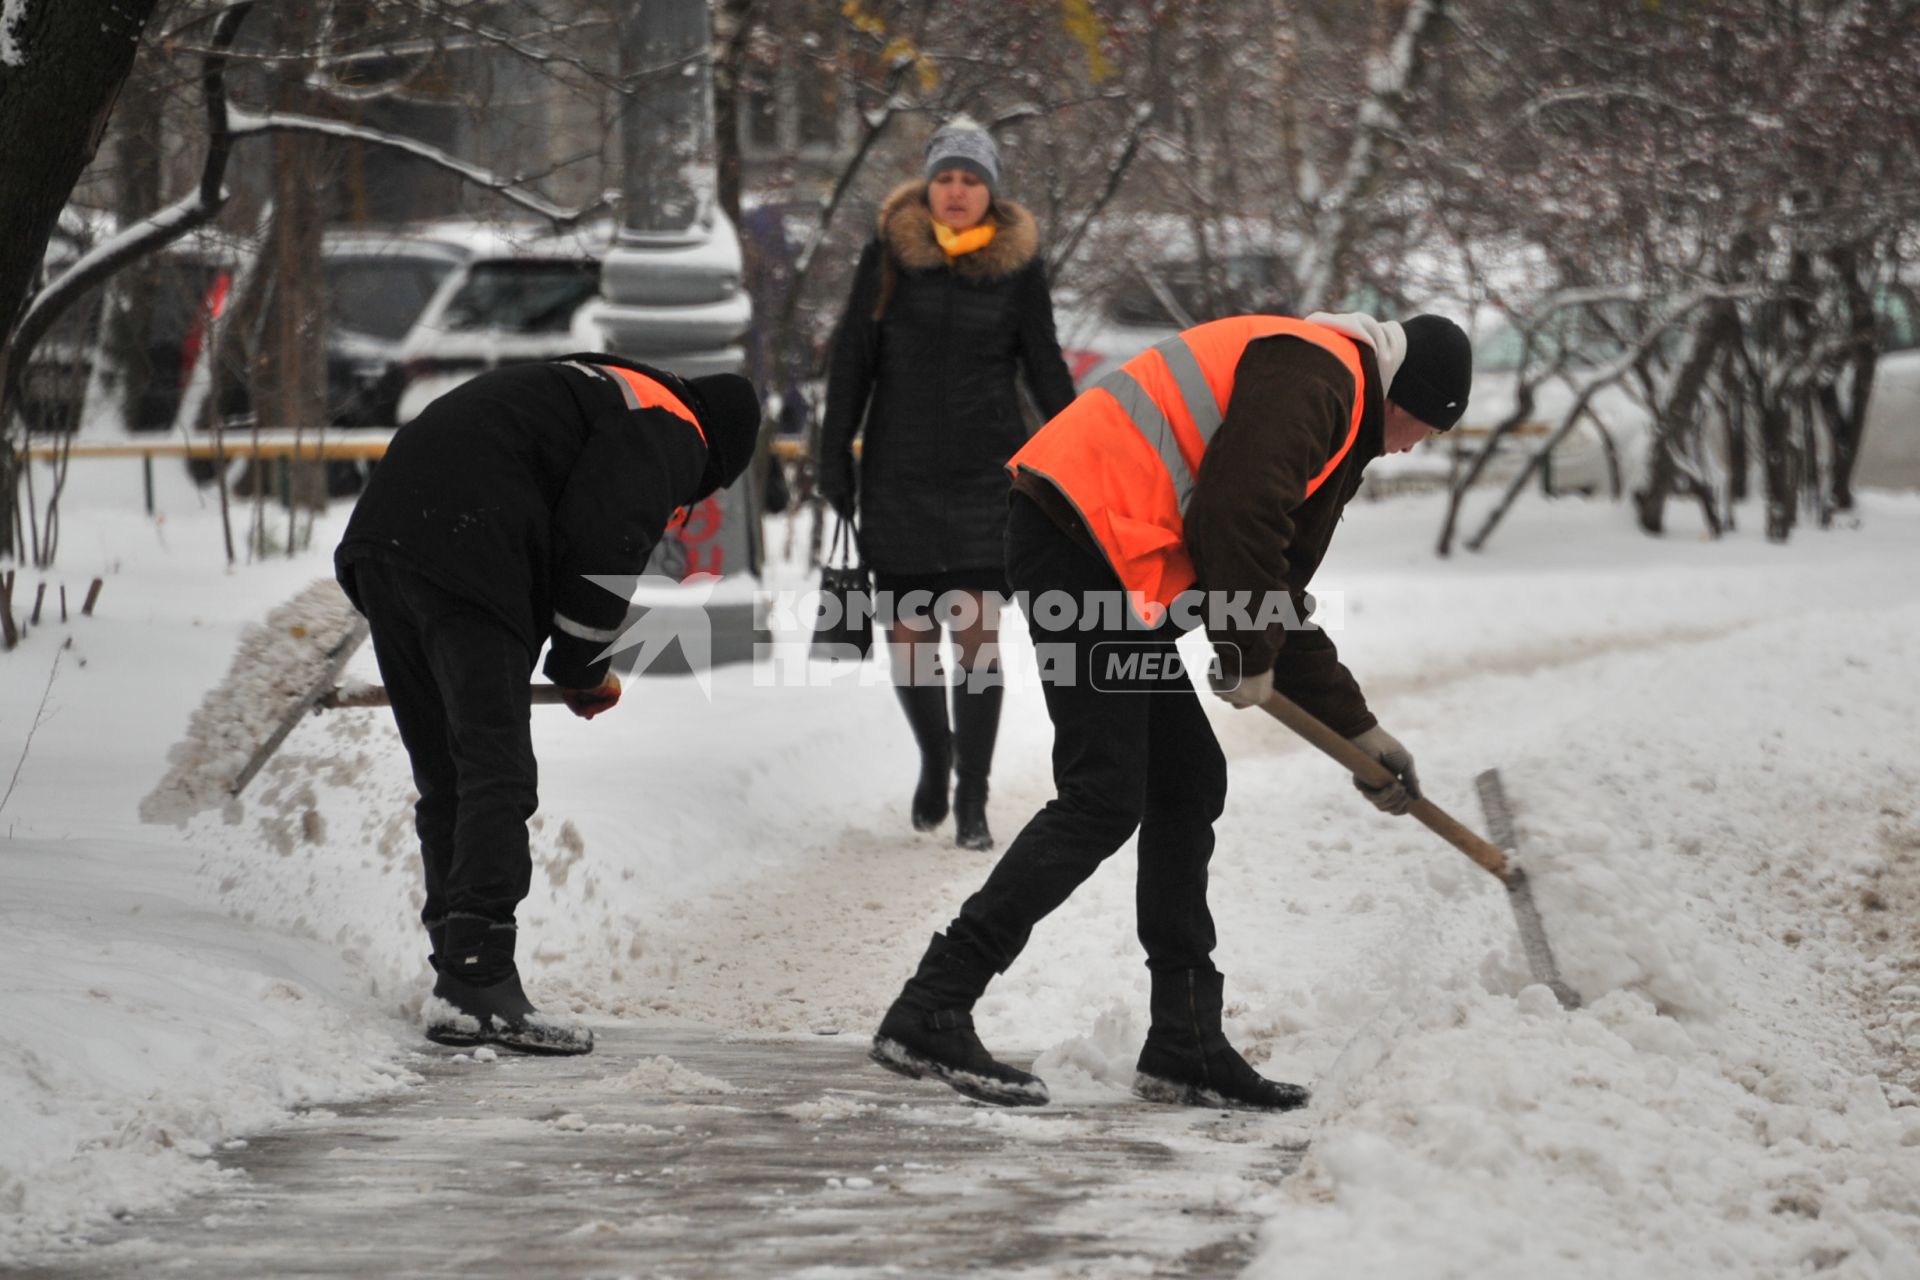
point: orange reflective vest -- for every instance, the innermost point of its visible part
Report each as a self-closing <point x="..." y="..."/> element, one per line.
<point x="1127" y="452"/>
<point x="640" y="391"/>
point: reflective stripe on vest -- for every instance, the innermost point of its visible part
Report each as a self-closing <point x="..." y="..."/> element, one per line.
<point x="1195" y="397"/>
<point x="640" y="391"/>
<point x="1133" y="490"/>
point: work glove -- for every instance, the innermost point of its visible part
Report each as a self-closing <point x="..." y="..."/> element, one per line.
<point x="1397" y="796"/>
<point x="588" y="703"/>
<point x="1250" y="692"/>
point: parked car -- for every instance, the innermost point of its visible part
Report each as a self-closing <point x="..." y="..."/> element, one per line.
<point x="184" y="286"/>
<point x="1890" y="440"/>
<point x="411" y="312"/>
<point x="416" y="312"/>
<point x="377" y="287"/>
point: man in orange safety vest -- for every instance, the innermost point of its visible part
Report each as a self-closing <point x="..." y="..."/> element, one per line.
<point x="1198" y="484"/>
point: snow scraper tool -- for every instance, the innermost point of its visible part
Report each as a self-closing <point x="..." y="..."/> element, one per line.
<point x="1490" y="856"/>
<point x="286" y="668"/>
<point x="281" y="667"/>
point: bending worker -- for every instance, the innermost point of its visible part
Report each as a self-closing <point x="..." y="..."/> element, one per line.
<point x="1221" y="460"/>
<point x="478" y="540"/>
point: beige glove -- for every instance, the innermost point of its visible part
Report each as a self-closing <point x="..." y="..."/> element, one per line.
<point x="1397" y="796"/>
<point x="1250" y="692"/>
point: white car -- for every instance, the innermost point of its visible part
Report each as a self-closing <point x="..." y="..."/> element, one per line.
<point x="417" y="311"/>
<point x="1890" y="441"/>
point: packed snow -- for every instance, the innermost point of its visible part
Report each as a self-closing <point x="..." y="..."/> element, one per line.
<point x="1709" y="748"/>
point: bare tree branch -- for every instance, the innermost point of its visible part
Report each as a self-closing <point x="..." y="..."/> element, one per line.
<point x="246" y="124"/>
<point x="1606" y="376"/>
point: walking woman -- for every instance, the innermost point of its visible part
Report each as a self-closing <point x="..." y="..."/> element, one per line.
<point x="949" y="306"/>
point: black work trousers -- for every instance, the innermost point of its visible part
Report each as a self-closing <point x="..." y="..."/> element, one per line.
<point x="458" y="678"/>
<point x="1132" y="749"/>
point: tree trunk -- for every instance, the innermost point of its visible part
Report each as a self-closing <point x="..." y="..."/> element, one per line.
<point x="290" y="366"/>
<point x="737" y="20"/>
<point x="54" y="105"/>
<point x="1678" y="419"/>
<point x="1650" y="498"/>
<point x="1846" y="422"/>
<point x="1776" y="453"/>
<point x="1739" y="462"/>
<point x="136" y="193"/>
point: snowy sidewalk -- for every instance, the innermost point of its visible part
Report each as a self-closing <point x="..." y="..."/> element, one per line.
<point x="1711" y="754"/>
<point x="679" y="1154"/>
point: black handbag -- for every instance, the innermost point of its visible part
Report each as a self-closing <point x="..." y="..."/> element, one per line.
<point x="843" y="620"/>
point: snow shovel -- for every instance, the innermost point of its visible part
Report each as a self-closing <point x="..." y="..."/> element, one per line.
<point x="1491" y="857"/>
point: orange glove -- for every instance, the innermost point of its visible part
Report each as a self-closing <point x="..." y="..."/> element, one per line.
<point x="588" y="703"/>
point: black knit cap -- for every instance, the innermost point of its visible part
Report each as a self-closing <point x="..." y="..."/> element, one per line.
<point x="729" y="413"/>
<point x="1437" y="374"/>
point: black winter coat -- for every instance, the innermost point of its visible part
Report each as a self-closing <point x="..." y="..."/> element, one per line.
<point x="511" y="488"/>
<point x="926" y="358"/>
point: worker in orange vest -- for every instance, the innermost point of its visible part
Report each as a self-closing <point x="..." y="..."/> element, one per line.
<point x="491" y="530"/>
<point x="1199" y="483"/>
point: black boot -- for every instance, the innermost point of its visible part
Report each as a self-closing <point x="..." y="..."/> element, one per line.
<point x="926" y="708"/>
<point x="929" y="1031"/>
<point x="976" y="724"/>
<point x="1187" y="1059"/>
<point x="437" y="939"/>
<point x="477" y="999"/>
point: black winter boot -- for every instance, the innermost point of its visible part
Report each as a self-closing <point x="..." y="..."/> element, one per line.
<point x="929" y="1032"/>
<point x="976" y="724"/>
<point x="437" y="939"/>
<point x="477" y="999"/>
<point x="926" y="708"/>
<point x="1187" y="1059"/>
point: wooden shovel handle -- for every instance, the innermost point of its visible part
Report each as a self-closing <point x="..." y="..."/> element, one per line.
<point x="1374" y="774"/>
<point x="374" y="695"/>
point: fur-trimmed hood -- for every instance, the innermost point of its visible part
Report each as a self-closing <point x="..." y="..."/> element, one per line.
<point x="906" y="228"/>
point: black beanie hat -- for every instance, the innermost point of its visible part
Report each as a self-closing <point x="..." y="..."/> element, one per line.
<point x="729" y="413"/>
<point x="1436" y="374"/>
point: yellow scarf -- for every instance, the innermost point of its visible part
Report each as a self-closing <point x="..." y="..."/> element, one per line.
<point x="954" y="243"/>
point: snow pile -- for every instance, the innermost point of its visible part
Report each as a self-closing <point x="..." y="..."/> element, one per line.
<point x="1504" y="1138"/>
<point x="1716" y="1110"/>
<point x="276" y="666"/>
<point x="155" y="1035"/>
